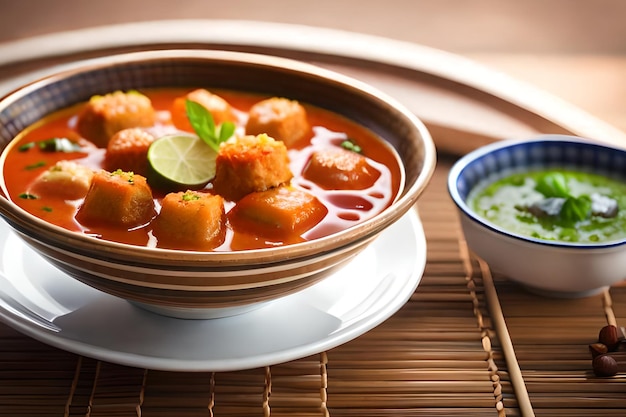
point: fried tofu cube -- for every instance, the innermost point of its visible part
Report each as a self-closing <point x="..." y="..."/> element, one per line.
<point x="340" y="169"/>
<point x="248" y="164"/>
<point x="128" y="150"/>
<point x="280" y="211"/>
<point x="104" y="116"/>
<point x="280" y="118"/>
<point x="66" y="179"/>
<point x="191" y="220"/>
<point x="119" y="198"/>
<point x="220" y="109"/>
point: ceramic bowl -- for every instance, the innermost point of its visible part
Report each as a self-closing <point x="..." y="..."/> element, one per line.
<point x="551" y="268"/>
<point x="212" y="284"/>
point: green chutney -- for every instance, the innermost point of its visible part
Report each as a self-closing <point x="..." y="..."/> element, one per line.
<point x="555" y="204"/>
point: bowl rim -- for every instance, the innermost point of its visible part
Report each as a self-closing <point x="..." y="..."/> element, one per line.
<point x="462" y="163"/>
<point x="54" y="235"/>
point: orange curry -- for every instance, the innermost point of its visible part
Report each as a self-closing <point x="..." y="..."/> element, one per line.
<point x="342" y="206"/>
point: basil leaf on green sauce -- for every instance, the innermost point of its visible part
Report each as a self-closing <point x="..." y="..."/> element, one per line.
<point x="575" y="209"/>
<point x="553" y="184"/>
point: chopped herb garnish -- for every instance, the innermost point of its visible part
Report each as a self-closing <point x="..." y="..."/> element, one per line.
<point x="35" y="165"/>
<point x="47" y="209"/>
<point x="28" y="196"/>
<point x="351" y="146"/>
<point x="120" y="173"/>
<point x="190" y="196"/>
<point x="59" y="145"/>
<point x="26" y="146"/>
<point x="203" y="124"/>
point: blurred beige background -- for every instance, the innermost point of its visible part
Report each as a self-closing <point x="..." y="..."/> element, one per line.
<point x="538" y="26"/>
<point x="575" y="49"/>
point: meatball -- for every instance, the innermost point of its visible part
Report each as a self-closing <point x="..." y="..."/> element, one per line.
<point x="104" y="116"/>
<point x="128" y="150"/>
<point x="280" y="118"/>
<point x="337" y="168"/>
<point x="250" y="163"/>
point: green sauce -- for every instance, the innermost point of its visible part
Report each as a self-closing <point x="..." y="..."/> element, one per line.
<point x="555" y="204"/>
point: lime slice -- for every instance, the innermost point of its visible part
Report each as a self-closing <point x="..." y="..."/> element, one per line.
<point x="181" y="161"/>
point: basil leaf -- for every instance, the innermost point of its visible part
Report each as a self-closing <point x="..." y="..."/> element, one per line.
<point x="203" y="124"/>
<point x="226" y="131"/>
<point x="201" y="121"/>
<point x="553" y="184"/>
<point x="575" y="209"/>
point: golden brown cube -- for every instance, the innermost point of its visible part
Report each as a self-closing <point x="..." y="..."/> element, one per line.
<point x="104" y="116"/>
<point x="280" y="211"/>
<point x="248" y="164"/>
<point x="340" y="169"/>
<point x="117" y="198"/>
<point x="190" y="220"/>
<point x="280" y="118"/>
<point x="220" y="109"/>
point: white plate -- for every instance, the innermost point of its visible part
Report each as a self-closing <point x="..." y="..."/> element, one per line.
<point x="44" y="303"/>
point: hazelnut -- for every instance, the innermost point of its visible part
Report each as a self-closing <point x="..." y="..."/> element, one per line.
<point x="609" y="337"/>
<point x="597" y="349"/>
<point x="604" y="365"/>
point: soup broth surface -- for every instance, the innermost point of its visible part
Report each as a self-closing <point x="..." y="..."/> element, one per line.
<point x="345" y="207"/>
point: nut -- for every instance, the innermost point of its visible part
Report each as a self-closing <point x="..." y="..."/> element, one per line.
<point x="609" y="337"/>
<point x="604" y="365"/>
<point x="597" y="349"/>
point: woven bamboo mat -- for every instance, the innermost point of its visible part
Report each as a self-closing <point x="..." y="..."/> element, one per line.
<point x="452" y="350"/>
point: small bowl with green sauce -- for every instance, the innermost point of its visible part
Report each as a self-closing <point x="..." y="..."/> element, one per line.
<point x="549" y="213"/>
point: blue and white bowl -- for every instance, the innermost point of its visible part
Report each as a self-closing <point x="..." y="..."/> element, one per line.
<point x="552" y="268"/>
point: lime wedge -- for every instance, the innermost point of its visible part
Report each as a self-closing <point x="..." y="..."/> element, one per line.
<point x="181" y="161"/>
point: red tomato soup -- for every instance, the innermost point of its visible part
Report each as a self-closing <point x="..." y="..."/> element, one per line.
<point x="336" y="173"/>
